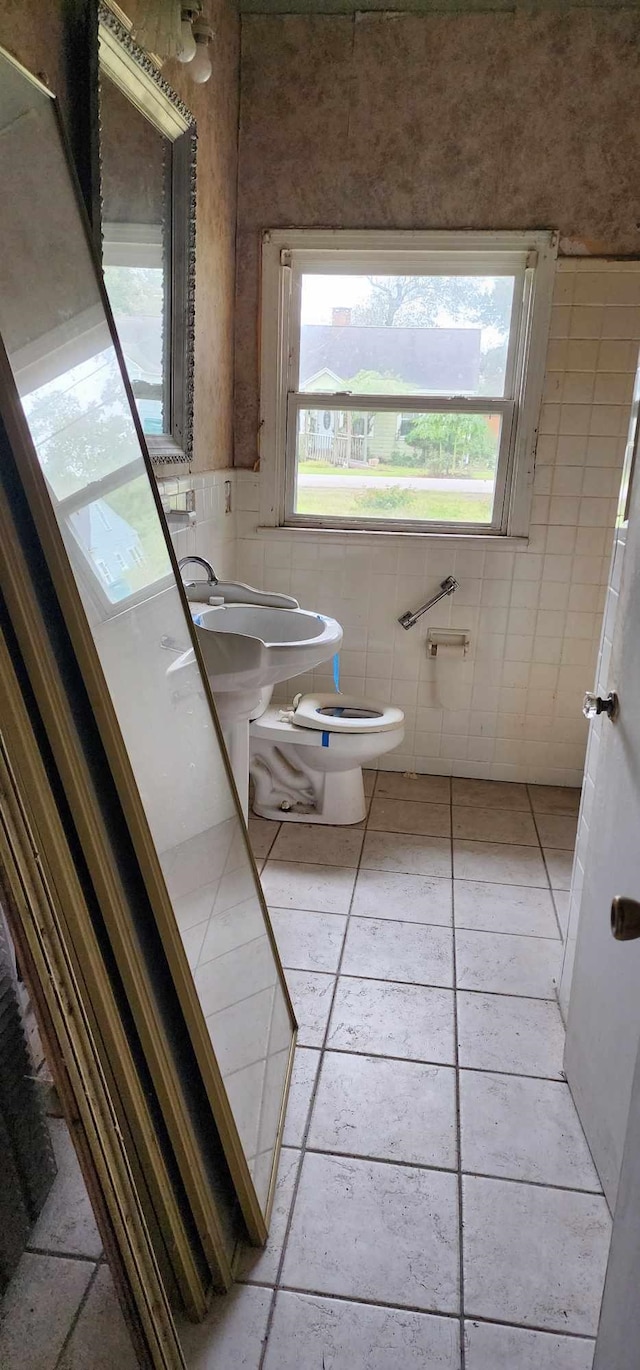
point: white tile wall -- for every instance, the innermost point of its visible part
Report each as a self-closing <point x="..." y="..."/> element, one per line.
<point x="512" y="710"/>
<point x="214" y="533"/>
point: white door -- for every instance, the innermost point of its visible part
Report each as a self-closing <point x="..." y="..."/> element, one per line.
<point x="618" y="1343"/>
<point x="603" y="1025"/>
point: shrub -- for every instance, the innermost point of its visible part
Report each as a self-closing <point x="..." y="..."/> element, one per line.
<point x="390" y="497"/>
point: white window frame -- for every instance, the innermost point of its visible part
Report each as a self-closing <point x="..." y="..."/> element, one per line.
<point x="288" y="253"/>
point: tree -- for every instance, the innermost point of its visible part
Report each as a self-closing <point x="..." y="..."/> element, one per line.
<point x="454" y="301"/>
<point x="135" y="289"/>
<point x="445" y="442"/>
<point x="403" y="301"/>
<point x="84" y="436"/>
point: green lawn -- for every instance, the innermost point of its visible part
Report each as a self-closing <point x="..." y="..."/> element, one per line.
<point x="432" y="505"/>
<point x="324" y="468"/>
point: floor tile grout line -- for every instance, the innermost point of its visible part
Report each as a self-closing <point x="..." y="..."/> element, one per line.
<point x="549" y="874"/>
<point x="432" y="1312"/>
<point x="421" y="984"/>
<point x="434" y="875"/>
<point x="77" y="1315"/>
<point x="61" y="1255"/>
<point x="303" y="1147"/>
<point x="421" y="1061"/>
<point x="421" y="1312"/>
<point x="451" y="1169"/>
<point x="456" y="1054"/>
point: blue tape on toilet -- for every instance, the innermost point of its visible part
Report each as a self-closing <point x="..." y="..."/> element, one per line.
<point x="325" y="739"/>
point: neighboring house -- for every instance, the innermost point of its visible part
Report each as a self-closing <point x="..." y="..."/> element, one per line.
<point x="430" y="361"/>
<point x="109" y="542"/>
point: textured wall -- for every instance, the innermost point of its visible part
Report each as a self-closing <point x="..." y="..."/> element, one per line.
<point x="215" y="107"/>
<point x="41" y="38"/>
<point x="461" y="121"/>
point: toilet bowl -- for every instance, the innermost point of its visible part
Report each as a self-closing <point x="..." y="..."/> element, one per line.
<point x="306" y="761"/>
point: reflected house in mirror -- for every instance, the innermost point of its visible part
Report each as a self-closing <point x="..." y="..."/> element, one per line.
<point x="146" y="154"/>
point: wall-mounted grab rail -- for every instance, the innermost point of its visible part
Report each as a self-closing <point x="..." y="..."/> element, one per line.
<point x="447" y="587"/>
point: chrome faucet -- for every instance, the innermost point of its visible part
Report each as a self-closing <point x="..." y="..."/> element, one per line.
<point x="212" y="578"/>
<point x="447" y="587"/>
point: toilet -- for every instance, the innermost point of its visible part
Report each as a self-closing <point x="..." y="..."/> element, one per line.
<point x="306" y="761"/>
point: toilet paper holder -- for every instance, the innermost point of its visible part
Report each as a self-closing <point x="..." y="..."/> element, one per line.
<point x="457" y="639"/>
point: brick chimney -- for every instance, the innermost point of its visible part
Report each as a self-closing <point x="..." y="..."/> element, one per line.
<point x="341" y="318"/>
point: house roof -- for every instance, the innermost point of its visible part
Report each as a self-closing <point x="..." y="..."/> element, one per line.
<point x="92" y="532"/>
<point x="433" y="360"/>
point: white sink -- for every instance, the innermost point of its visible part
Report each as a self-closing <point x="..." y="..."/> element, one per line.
<point x="269" y="645"/>
<point x="248" y="648"/>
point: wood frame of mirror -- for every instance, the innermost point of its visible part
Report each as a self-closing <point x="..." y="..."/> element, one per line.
<point x="137" y="76"/>
<point x="47" y="915"/>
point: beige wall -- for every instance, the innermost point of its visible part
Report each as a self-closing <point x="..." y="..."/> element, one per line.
<point x="39" y="36"/>
<point x="456" y="121"/>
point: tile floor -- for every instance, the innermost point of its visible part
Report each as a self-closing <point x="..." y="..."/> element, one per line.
<point x="437" y="1205"/>
<point x="60" y="1311"/>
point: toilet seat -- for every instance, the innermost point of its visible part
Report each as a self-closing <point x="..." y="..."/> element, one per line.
<point x="338" y="713"/>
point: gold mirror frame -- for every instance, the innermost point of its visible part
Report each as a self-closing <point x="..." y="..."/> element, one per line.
<point x="42" y="899"/>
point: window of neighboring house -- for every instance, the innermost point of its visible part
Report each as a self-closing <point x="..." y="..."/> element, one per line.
<point x="104" y="571"/>
<point x="402" y="378"/>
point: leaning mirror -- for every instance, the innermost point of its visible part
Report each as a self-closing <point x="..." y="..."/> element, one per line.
<point x="147" y="151"/>
<point x="96" y="498"/>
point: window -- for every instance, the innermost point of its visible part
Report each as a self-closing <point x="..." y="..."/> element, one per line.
<point x="402" y="378"/>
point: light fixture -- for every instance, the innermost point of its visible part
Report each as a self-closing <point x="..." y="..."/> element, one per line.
<point x="188" y="13"/>
<point x="200" y="67"/>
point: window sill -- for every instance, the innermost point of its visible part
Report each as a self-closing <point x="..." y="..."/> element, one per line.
<point x="367" y="535"/>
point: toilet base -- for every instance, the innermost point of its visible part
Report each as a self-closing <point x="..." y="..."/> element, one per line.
<point x="331" y="797"/>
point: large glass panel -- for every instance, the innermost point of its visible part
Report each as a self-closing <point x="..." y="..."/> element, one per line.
<point x="390" y="335"/>
<point x="54" y="329"/>
<point x="436" y="467"/>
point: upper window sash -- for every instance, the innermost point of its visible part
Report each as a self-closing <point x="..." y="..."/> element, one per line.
<point x="295" y="265"/>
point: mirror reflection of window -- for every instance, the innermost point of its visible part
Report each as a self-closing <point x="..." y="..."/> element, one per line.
<point x="82" y="428"/>
<point x="135" y="172"/>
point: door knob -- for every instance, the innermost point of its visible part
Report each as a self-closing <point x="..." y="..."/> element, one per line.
<point x="625" y="918"/>
<point x="594" y="704"/>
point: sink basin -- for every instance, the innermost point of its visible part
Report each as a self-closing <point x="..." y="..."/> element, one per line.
<point x="267" y="645"/>
<point x="248" y="646"/>
<point x="247" y="649"/>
